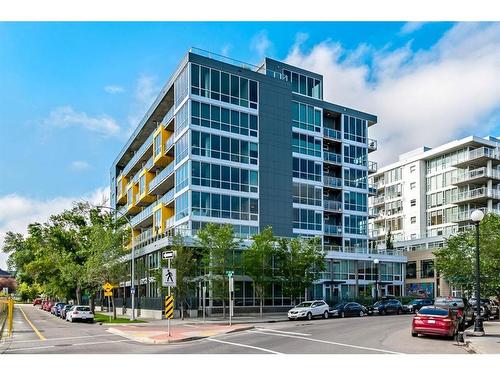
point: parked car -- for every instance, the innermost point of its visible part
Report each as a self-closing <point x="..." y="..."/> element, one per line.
<point x="416" y="304"/>
<point x="79" y="312"/>
<point x="309" y="309"/>
<point x="58" y="308"/>
<point x="48" y="305"/>
<point x="64" y="311"/>
<point x="386" y="306"/>
<point x="348" y="309"/>
<point x="460" y="307"/>
<point x="53" y="309"/>
<point x="37" y="301"/>
<point x="432" y="320"/>
<point x="495" y="309"/>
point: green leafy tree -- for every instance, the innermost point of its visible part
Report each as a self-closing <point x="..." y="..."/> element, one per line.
<point x="301" y="259"/>
<point x="216" y="244"/>
<point x="389" y="245"/>
<point x="456" y="262"/>
<point x="257" y="262"/>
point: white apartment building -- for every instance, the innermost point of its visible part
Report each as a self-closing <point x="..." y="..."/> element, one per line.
<point x="430" y="192"/>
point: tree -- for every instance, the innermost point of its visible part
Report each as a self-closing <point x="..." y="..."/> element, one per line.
<point x="456" y="262"/>
<point x="389" y="245"/>
<point x="184" y="262"/>
<point x="300" y="260"/>
<point x="216" y="243"/>
<point x="257" y="262"/>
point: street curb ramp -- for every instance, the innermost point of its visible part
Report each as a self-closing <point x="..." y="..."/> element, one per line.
<point x="146" y="340"/>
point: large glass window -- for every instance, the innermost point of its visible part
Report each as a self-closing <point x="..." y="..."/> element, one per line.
<point x="224" y="177"/>
<point x="306" y="117"/>
<point x="228" y="88"/>
<point x="215" y="117"/>
<point x="181" y="87"/>
<point x="355" y="155"/>
<point x="307" y="219"/>
<point x="182" y="177"/>
<point x="224" y="148"/>
<point x="182" y="206"/>
<point x="307" y="194"/>
<point x="303" y="84"/>
<point x="355" y="178"/>
<point x="355" y="224"/>
<point x="307" y="169"/>
<point x="224" y="206"/>
<point x="240" y="231"/>
<point x="355" y="129"/>
<point x="182" y="147"/>
<point x="306" y="144"/>
<point x="354" y="201"/>
<point x="181" y="119"/>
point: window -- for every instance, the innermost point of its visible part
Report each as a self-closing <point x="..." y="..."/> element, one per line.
<point x="181" y="87"/>
<point x="224" y="206"/>
<point x="411" y="270"/>
<point x="354" y="201"/>
<point x="427" y="268"/>
<point x="307" y="219"/>
<point x="355" y="178"/>
<point x="355" y="224"/>
<point x="307" y="194"/>
<point x="355" y="155"/>
<point x="182" y="147"/>
<point x="157" y="148"/>
<point x="306" y="117"/>
<point x="181" y="119"/>
<point x="413" y="219"/>
<point x="228" y="88"/>
<point x="413" y="185"/>
<point x="224" y="177"/>
<point x="304" y="85"/>
<point x="306" y="144"/>
<point x="240" y="231"/>
<point x="142" y="184"/>
<point x="215" y="117"/>
<point x="181" y="177"/>
<point x="307" y="169"/>
<point x="182" y="206"/>
<point x="355" y="129"/>
<point x="413" y="202"/>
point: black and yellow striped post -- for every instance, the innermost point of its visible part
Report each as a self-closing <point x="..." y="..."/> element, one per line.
<point x="169" y="310"/>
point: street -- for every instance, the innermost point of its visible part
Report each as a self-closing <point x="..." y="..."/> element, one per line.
<point x="36" y="331"/>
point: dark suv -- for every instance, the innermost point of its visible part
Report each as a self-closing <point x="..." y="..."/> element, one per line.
<point x="459" y="306"/>
<point x="386" y="306"/>
<point x="416" y="304"/>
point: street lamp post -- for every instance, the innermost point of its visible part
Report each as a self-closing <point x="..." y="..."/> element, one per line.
<point x="132" y="291"/>
<point x="476" y="216"/>
<point x="375" y="261"/>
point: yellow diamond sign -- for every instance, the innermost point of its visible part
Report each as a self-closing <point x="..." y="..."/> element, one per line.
<point x="107" y="287"/>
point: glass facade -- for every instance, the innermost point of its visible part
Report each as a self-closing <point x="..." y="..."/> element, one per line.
<point x="224" y="177"/>
<point x="306" y="117"/>
<point x="307" y="169"/>
<point x="304" y="85"/>
<point x="224" y="206"/>
<point x="306" y="144"/>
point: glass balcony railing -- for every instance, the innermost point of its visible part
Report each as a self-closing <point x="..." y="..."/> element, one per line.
<point x="332" y="157"/>
<point x="332" y="181"/>
<point x="378" y="200"/>
<point x="330" y="205"/>
<point x="337" y="248"/>
<point x="335" y="230"/>
<point x="143" y="237"/>
<point x="372" y="166"/>
<point x="478" y="193"/>
<point x="144" y="214"/>
<point x="169" y="223"/>
<point x="138" y="154"/>
<point x="169" y="143"/>
<point x="169" y="116"/>
<point x="332" y="133"/>
<point x="474" y="174"/>
<point x="489" y="153"/>
<point x="167" y="171"/>
<point x="168" y="197"/>
<point x="372" y="144"/>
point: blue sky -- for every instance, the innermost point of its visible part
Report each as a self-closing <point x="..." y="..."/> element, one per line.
<point x="70" y="93"/>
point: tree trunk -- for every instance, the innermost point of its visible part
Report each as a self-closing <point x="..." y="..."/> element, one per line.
<point x="261" y="304"/>
<point x="92" y="304"/>
<point x="113" y="307"/>
<point x="223" y="309"/>
<point x="182" y="310"/>
<point x="78" y="295"/>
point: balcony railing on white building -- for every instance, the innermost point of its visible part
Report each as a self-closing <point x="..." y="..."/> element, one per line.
<point x="475" y="173"/>
<point x="479" y="153"/>
<point x="372" y="166"/>
<point x="372" y="144"/>
<point x="481" y="192"/>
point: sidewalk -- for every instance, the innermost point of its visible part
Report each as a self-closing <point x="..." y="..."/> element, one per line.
<point x="487" y="344"/>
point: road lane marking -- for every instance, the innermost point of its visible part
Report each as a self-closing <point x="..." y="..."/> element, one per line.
<point x="68" y="338"/>
<point x="243" y="345"/>
<point x="285" y="332"/>
<point x="32" y="326"/>
<point x="53" y="346"/>
<point x="328" y="342"/>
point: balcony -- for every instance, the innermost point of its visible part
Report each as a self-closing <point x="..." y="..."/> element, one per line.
<point x="476" y="176"/>
<point x="332" y="157"/>
<point x="144" y="215"/>
<point x="333" y="182"/>
<point x="464" y="216"/>
<point x="333" y="134"/>
<point x="332" y="206"/>
<point x="372" y="145"/>
<point x="122" y="211"/>
<point x="149" y="164"/>
<point x="332" y="230"/>
<point x="168" y="117"/>
<point x="479" y="156"/>
<point x="160" y="184"/>
<point x="169" y="143"/>
<point x="167" y="198"/>
<point x="378" y="201"/>
<point x="481" y="194"/>
<point x="372" y="190"/>
<point x="143" y="237"/>
<point x="372" y="167"/>
<point x="138" y="155"/>
<point x="375" y="213"/>
<point x="337" y="248"/>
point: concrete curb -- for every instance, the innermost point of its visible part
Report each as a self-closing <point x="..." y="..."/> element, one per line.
<point x="147" y="340"/>
<point x="468" y="343"/>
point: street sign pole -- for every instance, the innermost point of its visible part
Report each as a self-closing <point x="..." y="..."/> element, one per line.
<point x="168" y="320"/>
<point x="109" y="307"/>
<point x="203" y="301"/>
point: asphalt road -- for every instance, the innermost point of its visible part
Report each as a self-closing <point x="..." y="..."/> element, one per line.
<point x="37" y="331"/>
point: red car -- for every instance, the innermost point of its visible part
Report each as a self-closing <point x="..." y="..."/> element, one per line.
<point x="437" y="321"/>
<point x="37" y="301"/>
<point x="47" y="305"/>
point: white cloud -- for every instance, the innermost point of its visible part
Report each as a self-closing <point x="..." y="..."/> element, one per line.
<point x="79" y="165"/>
<point x="66" y="116"/>
<point x="261" y="44"/>
<point x="410" y="27"/>
<point x="421" y="98"/>
<point x="146" y="90"/>
<point x="17" y="211"/>
<point x="225" y="50"/>
<point x="114" y="89"/>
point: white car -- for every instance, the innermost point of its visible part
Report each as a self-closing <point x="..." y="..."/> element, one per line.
<point x="79" y="312"/>
<point x="309" y="309"/>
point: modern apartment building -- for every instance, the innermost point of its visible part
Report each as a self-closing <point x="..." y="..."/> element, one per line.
<point x="228" y="142"/>
<point x="429" y="194"/>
